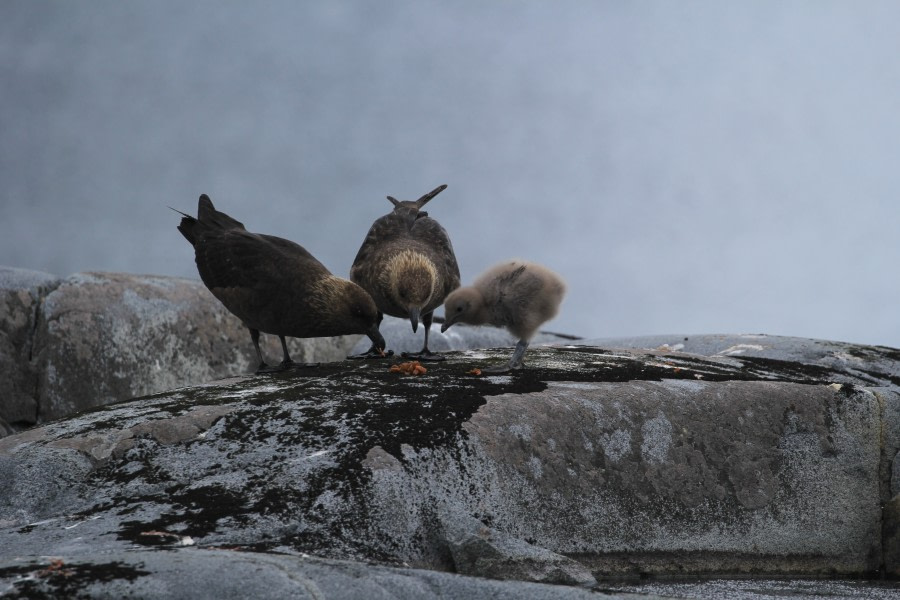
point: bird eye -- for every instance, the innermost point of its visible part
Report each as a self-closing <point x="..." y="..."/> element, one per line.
<point x="459" y="309"/>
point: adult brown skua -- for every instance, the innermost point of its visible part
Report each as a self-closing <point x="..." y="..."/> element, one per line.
<point x="518" y="295"/>
<point x="274" y="285"/>
<point x="408" y="266"/>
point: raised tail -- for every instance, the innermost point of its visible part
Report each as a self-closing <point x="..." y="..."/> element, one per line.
<point x="418" y="204"/>
<point x="424" y="199"/>
<point x="207" y="217"/>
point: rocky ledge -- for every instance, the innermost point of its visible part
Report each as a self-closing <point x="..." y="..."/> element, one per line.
<point x="68" y="344"/>
<point x="764" y="457"/>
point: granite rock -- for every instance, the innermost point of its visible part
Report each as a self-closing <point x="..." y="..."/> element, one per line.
<point x="210" y="574"/>
<point x="94" y="338"/>
<point x="628" y="463"/>
<point x="21" y="292"/>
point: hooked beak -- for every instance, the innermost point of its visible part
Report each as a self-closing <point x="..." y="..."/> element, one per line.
<point x="414" y="318"/>
<point x="376" y="337"/>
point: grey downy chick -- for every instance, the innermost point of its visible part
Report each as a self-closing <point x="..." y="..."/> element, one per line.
<point x="274" y="285"/>
<point x="408" y="266"/>
<point x="518" y="295"/>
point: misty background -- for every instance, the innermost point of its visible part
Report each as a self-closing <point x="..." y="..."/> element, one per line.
<point x="688" y="167"/>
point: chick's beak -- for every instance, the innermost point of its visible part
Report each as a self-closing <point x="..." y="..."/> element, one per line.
<point x="414" y="318"/>
<point x="446" y="324"/>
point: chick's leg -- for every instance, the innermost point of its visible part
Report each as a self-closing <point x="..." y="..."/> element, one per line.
<point x="515" y="361"/>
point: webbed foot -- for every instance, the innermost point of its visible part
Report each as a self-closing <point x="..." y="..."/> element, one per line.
<point x="265" y="368"/>
<point x="372" y="353"/>
<point x="296" y="365"/>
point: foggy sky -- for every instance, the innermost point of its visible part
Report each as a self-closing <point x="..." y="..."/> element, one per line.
<point x="688" y="167"/>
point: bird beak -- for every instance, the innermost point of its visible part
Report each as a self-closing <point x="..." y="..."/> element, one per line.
<point x="376" y="337"/>
<point x="414" y="318"/>
<point x="446" y="325"/>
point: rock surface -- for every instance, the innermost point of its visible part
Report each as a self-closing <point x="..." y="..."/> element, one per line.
<point x="21" y="292"/>
<point x="592" y="463"/>
<point x="94" y="338"/>
<point x="198" y="574"/>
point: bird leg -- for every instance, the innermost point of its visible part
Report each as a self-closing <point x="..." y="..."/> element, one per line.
<point x="425" y="353"/>
<point x="374" y="351"/>
<point x="263" y="366"/>
<point x="287" y="363"/>
<point x="515" y="362"/>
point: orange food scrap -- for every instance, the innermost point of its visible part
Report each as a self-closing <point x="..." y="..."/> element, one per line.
<point x="409" y="368"/>
<point x="475" y="371"/>
<point x="55" y="568"/>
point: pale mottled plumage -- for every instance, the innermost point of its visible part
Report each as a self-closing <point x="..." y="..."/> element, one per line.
<point x="517" y="295"/>
<point x="408" y="266"/>
<point x="274" y="285"/>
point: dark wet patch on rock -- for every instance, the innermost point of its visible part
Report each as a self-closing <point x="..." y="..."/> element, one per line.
<point x="58" y="579"/>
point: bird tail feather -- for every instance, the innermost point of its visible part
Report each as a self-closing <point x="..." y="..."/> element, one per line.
<point x="207" y="217"/>
<point x="424" y="199"/>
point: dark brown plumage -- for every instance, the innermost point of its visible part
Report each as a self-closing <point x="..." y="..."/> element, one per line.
<point x="407" y="265"/>
<point x="274" y="285"/>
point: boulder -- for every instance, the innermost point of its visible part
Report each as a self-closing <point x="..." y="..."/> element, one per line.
<point x="210" y="574"/>
<point x="483" y="551"/>
<point x="94" y="338"/>
<point x="590" y="463"/>
<point x="21" y="292"/>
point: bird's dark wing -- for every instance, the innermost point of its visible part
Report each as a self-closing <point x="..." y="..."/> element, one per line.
<point x="383" y="231"/>
<point x="430" y="233"/>
<point x="235" y="258"/>
<point x="289" y="249"/>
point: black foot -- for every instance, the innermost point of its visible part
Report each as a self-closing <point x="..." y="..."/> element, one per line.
<point x="284" y="365"/>
<point x="425" y="355"/>
<point x="372" y="353"/>
<point x="296" y="365"/>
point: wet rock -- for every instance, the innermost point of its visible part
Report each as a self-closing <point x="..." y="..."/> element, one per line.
<point x="222" y="575"/>
<point x="21" y="292"/>
<point x="102" y="337"/>
<point x="763" y="589"/>
<point x="628" y="462"/>
<point x="482" y="551"/>
<point x="875" y="367"/>
<point x="891" y="536"/>
<point x="857" y="359"/>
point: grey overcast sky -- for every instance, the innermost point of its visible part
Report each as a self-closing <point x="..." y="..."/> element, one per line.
<point x="689" y="167"/>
